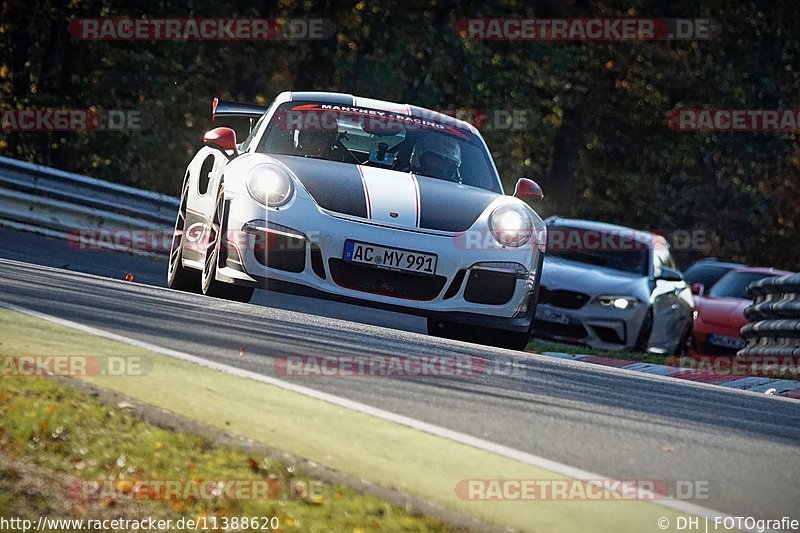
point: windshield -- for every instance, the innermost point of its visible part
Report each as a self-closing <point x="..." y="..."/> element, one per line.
<point x="708" y="275"/>
<point x="363" y="136"/>
<point x="603" y="249"/>
<point x="734" y="285"/>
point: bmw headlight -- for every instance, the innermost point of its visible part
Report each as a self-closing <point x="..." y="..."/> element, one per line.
<point x="511" y="225"/>
<point x="616" y="302"/>
<point x="270" y="185"/>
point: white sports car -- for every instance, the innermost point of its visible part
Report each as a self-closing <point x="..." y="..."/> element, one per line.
<point x="363" y="201"/>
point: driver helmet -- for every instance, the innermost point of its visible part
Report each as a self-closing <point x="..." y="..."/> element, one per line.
<point x="315" y="142"/>
<point x="438" y="156"/>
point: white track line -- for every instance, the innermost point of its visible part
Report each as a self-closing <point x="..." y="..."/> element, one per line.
<point x="573" y="361"/>
<point x="462" y="438"/>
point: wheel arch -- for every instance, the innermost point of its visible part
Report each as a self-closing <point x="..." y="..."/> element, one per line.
<point x="203" y="191"/>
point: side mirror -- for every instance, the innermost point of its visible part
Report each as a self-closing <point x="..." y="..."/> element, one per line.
<point x="527" y="189"/>
<point x="669" y="274"/>
<point x="222" y="139"/>
<point x="698" y="289"/>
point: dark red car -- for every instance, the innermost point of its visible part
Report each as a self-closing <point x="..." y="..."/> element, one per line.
<point x="720" y="311"/>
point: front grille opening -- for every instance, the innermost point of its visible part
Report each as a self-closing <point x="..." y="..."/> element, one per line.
<point x="562" y="298"/>
<point x="281" y="251"/>
<point x="489" y="287"/>
<point x="609" y="335"/>
<point x="570" y="331"/>
<point x="386" y="282"/>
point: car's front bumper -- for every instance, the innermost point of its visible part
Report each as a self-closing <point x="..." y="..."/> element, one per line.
<point x="591" y="324"/>
<point x="711" y="339"/>
<point x="462" y="290"/>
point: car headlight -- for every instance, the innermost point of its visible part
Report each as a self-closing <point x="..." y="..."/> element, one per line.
<point x="617" y="302"/>
<point x="270" y="185"/>
<point x="510" y="225"/>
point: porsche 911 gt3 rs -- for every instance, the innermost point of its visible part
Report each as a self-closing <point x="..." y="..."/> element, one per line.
<point x="364" y="201"/>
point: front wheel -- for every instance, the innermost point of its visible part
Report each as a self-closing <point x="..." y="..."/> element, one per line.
<point x="179" y="277"/>
<point x="501" y="338"/>
<point x="643" y="340"/>
<point x="686" y="339"/>
<point x="209" y="284"/>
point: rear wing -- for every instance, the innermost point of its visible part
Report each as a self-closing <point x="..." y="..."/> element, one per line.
<point x="221" y="108"/>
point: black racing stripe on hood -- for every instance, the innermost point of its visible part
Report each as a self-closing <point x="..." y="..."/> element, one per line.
<point x="445" y="206"/>
<point x="334" y="186"/>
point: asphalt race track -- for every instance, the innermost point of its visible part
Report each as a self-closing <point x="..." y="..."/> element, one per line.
<point x="615" y="423"/>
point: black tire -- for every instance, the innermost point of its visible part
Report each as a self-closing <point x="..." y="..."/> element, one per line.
<point x="500" y="338"/>
<point x="208" y="282"/>
<point x="686" y="339"/>
<point x="179" y="277"/>
<point x="644" y="333"/>
<point x="446" y="330"/>
<point x="512" y="340"/>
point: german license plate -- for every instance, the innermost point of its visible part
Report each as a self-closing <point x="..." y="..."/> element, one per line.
<point x="726" y="341"/>
<point x="547" y="315"/>
<point x="390" y="258"/>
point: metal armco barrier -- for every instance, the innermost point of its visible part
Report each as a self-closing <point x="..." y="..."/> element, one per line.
<point x="61" y="204"/>
<point x="774" y="317"/>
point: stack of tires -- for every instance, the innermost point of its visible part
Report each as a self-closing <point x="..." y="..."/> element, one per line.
<point x="774" y="318"/>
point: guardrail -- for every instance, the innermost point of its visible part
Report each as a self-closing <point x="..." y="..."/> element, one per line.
<point x="61" y="204"/>
<point x="774" y="317"/>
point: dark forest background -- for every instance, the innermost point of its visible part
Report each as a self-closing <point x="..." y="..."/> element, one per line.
<point x="597" y="139"/>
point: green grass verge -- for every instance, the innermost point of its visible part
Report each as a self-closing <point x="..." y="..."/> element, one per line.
<point x="69" y="432"/>
<point x="361" y="446"/>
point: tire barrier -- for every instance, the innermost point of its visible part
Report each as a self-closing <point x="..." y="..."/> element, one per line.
<point x="774" y="318"/>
